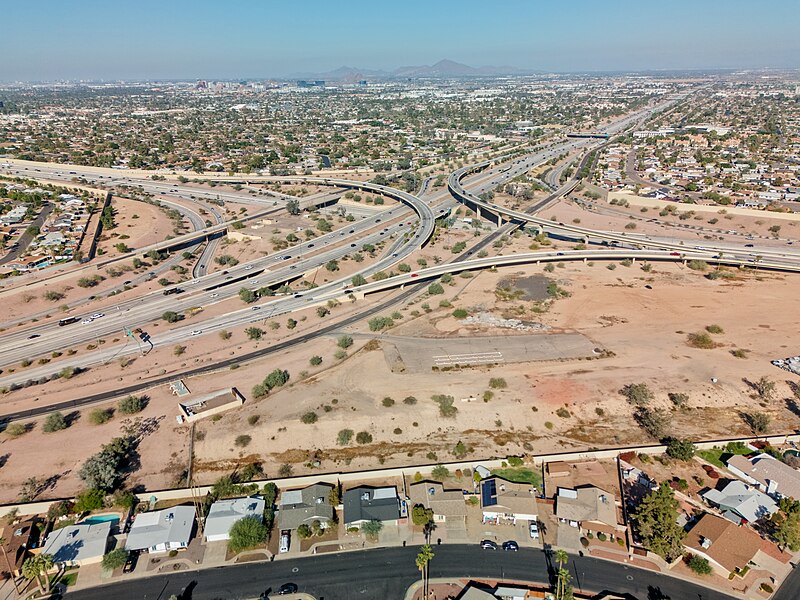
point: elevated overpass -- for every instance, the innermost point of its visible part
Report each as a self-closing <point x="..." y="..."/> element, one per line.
<point x="490" y="262"/>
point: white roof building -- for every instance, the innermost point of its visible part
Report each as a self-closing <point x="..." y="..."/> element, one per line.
<point x="224" y="513"/>
<point x="78" y="544"/>
<point x="162" y="530"/>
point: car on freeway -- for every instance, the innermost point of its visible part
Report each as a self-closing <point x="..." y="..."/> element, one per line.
<point x="214" y="295"/>
<point x="748" y="245"/>
<point x="559" y="254"/>
<point x="534" y="530"/>
<point x="197" y="332"/>
<point x="256" y="308"/>
<point x="311" y="245"/>
<point x="488" y="545"/>
<point x="415" y="274"/>
<point x="98" y="315"/>
<point x="377" y="220"/>
<point x="87" y="320"/>
<point x="510" y="546"/>
<point x="33" y="336"/>
<point x="287" y="588"/>
<point x="352" y="231"/>
<point x="298" y="295"/>
<point x="352" y="245"/>
<point x="648" y="287"/>
<point x="287" y="257"/>
<point x="248" y="267"/>
<point x="674" y="253"/>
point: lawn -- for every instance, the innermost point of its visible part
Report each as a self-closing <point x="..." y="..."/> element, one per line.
<point x="717" y="456"/>
<point x="520" y="475"/>
<point x="69" y="578"/>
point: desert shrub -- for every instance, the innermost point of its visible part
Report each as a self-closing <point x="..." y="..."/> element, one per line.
<point x="243" y="440"/>
<point x="309" y="418"/>
<point x="54" y="422"/>
<point x="363" y="437"/>
<point x="700" y="340"/>
<point x="435" y="289"/>
<point x="680" y="449"/>
<point x="344" y="436"/>
<point x="100" y="415"/>
<point x="132" y="404"/>
<point x="699" y="565"/>
<point x="637" y="394"/>
<point x="16" y="429"/>
<point x="498" y="383"/>
<point x="446" y="407"/>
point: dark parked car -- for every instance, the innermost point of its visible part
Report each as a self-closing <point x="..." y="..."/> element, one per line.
<point x="287" y="588"/>
<point x="510" y="546"/>
<point x="488" y="545"/>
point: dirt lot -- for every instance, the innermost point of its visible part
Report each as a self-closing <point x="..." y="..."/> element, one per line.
<point x="544" y="406"/>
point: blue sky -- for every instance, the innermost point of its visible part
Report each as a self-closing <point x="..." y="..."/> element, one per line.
<point x="89" y="39"/>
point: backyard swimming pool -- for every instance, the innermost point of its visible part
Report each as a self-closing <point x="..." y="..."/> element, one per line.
<point x="100" y="519"/>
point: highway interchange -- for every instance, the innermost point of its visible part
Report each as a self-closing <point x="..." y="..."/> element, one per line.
<point x="406" y="226"/>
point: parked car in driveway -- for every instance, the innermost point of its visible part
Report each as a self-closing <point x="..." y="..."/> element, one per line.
<point x="510" y="546"/>
<point x="488" y="545"/>
<point x="534" y="529"/>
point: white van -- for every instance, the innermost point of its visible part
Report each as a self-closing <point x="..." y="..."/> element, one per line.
<point x="284" y="545"/>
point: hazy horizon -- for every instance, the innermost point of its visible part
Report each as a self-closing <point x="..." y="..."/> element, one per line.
<point x="92" y="40"/>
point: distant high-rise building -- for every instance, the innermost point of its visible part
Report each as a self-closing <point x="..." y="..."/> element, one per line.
<point x="201" y="85"/>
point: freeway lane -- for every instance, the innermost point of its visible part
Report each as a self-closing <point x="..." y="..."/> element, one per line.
<point x="386" y="574"/>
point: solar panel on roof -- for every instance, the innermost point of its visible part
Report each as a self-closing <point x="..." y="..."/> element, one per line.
<point x="489" y="493"/>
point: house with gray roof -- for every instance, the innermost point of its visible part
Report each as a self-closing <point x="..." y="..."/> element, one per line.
<point x="162" y="530"/>
<point x="224" y="513"/>
<point x="307" y="505"/>
<point x="367" y="503"/>
<point x="739" y="502"/>
<point x="589" y="508"/>
<point x="771" y="476"/>
<point x="78" y="545"/>
<point x="447" y="505"/>
<point x="507" y="501"/>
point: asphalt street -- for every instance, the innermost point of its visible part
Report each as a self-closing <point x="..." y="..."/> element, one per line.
<point x="386" y="574"/>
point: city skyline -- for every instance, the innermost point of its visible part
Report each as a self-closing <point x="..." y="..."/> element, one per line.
<point x="259" y="40"/>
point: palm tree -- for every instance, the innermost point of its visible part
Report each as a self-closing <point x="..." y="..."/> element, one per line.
<point x="8" y="564"/>
<point x="561" y="557"/>
<point x="31" y="569"/>
<point x="46" y="563"/>
<point x="423" y="558"/>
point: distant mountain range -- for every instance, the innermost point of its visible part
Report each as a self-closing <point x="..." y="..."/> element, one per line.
<point x="443" y="69"/>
